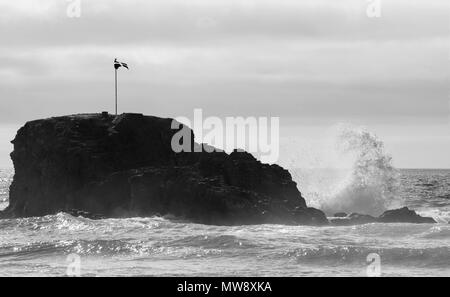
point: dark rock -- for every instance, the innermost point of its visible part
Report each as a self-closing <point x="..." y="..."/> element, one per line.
<point x="340" y="215"/>
<point x="124" y="166"/>
<point x="403" y="215"/>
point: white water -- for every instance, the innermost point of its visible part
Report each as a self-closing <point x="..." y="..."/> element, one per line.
<point x="351" y="172"/>
<point x="156" y="246"/>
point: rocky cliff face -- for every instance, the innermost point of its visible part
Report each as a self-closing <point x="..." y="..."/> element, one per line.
<point x="125" y="166"/>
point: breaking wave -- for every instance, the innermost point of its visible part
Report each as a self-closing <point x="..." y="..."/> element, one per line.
<point x="355" y="174"/>
<point x="159" y="246"/>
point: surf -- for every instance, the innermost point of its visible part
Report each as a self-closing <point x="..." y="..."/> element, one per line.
<point x="352" y="172"/>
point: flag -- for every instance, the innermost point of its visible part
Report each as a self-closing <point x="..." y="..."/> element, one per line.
<point x="118" y="64"/>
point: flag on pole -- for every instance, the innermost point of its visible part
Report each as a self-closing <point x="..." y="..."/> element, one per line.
<point x="118" y="64"/>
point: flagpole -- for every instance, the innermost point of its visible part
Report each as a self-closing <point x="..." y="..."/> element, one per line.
<point x="116" y="87"/>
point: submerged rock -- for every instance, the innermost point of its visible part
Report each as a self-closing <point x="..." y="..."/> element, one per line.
<point x="125" y="166"/>
<point x="340" y="215"/>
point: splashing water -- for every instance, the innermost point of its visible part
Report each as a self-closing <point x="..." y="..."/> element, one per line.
<point x="5" y="181"/>
<point x="353" y="174"/>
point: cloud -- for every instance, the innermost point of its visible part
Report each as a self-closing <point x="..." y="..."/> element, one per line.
<point x="308" y="61"/>
<point x="287" y="57"/>
<point x="42" y="23"/>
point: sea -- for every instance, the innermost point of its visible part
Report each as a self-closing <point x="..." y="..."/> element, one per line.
<point x="60" y="244"/>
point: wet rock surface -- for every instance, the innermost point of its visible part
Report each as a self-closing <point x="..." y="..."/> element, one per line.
<point x="401" y="215"/>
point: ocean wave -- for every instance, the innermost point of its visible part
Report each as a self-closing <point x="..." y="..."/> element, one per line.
<point x="32" y="250"/>
<point x="441" y="215"/>
<point x="425" y="257"/>
<point x="361" y="177"/>
<point x="104" y="248"/>
<point x="436" y="232"/>
<point x="211" y="242"/>
<point x="161" y="246"/>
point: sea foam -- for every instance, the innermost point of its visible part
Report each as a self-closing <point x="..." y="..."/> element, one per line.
<point x="353" y="173"/>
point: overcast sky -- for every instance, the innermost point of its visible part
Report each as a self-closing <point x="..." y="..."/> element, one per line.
<point x="312" y="63"/>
